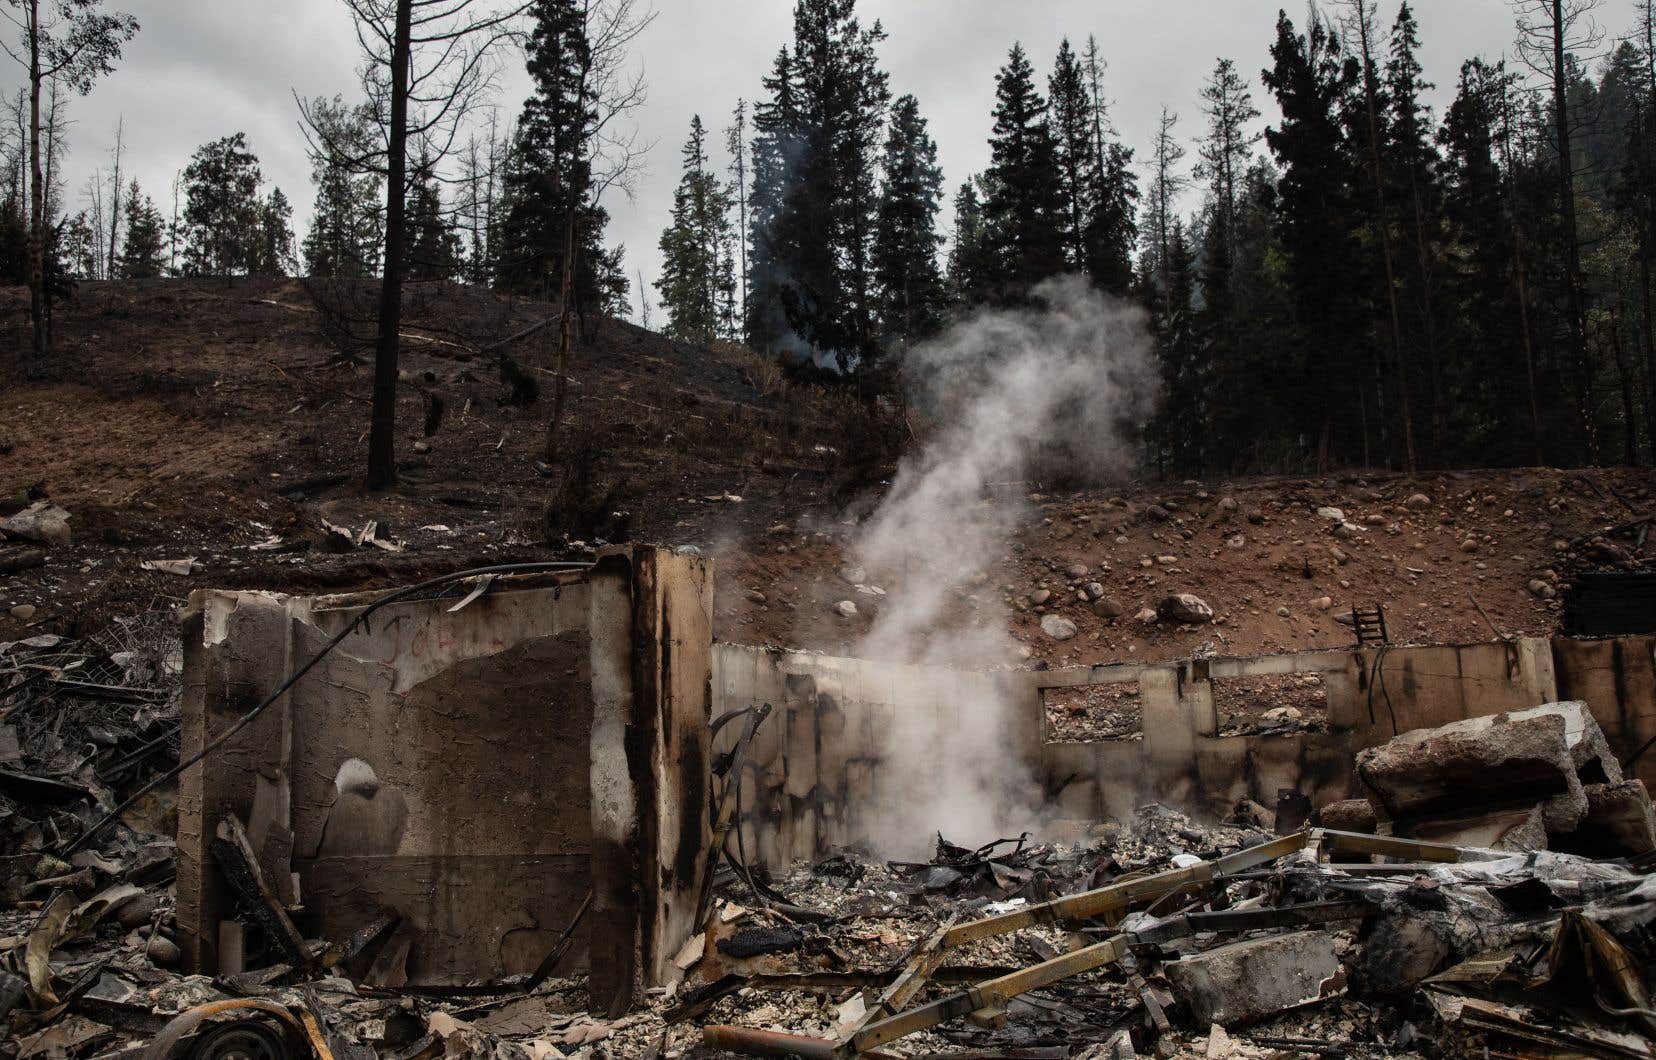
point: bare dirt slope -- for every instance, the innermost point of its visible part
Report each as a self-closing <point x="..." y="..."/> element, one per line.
<point x="215" y="421"/>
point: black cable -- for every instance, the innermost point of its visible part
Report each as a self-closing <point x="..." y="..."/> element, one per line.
<point x="242" y="722"/>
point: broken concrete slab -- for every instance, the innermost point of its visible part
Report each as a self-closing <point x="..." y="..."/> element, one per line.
<point x="1249" y="980"/>
<point x="1619" y="823"/>
<point x="1501" y="761"/>
<point x="42" y="522"/>
<point x="1348" y="815"/>
<point x="1516" y="830"/>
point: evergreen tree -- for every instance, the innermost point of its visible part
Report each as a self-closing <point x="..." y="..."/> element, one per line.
<point x="1168" y="182"/>
<point x="549" y="173"/>
<point x="905" y="245"/>
<point x="1311" y="80"/>
<point x="433" y="247"/>
<point x="1223" y="159"/>
<point x="1072" y="135"/>
<point x="1415" y="188"/>
<point x="697" y="281"/>
<point x="773" y="229"/>
<point x="1183" y="419"/>
<point x="223" y="214"/>
<point x="1112" y="227"/>
<point x="345" y="233"/>
<point x="272" y="250"/>
<point x="1024" y="209"/>
<point x="837" y="94"/>
<point x="971" y="251"/>
<point x="143" y="255"/>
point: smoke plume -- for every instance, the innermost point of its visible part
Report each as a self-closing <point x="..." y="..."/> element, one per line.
<point x="1053" y="391"/>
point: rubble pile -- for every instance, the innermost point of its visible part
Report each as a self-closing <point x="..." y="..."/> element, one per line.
<point x="1536" y="779"/>
<point x="1488" y="895"/>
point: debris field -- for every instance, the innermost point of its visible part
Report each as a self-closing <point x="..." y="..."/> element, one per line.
<point x="1487" y="895"/>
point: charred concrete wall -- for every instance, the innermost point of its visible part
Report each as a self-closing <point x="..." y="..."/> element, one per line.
<point x="476" y="769"/>
<point x="819" y="761"/>
<point x="1617" y="679"/>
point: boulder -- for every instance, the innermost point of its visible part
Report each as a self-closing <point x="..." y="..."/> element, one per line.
<point x="1057" y="627"/>
<point x="1108" y="607"/>
<point x="1185" y="607"/>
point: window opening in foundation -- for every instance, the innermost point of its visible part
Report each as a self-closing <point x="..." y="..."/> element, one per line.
<point x="1090" y="713"/>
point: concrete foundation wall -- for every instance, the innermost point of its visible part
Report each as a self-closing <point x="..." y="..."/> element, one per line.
<point x="814" y="763"/>
<point x="517" y="749"/>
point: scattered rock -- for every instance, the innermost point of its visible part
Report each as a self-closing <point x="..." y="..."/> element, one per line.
<point x="1057" y="627"/>
<point x="23" y="612"/>
<point x="1185" y="607"/>
<point x="1324" y="603"/>
<point x="756" y="596"/>
<point x="1146" y="615"/>
<point x="1108" y="607"/>
<point x="1157" y="512"/>
<point x="1469" y="545"/>
<point x="1255" y="516"/>
<point x="1419" y="501"/>
<point x="1340" y="555"/>
<point x="852" y="574"/>
<point x="1227" y="504"/>
<point x="1094" y="590"/>
<point x="1077" y="570"/>
<point x="41" y="522"/>
<point x="1283" y="612"/>
<point x="1282" y="714"/>
<point x="845" y="609"/>
<point x="162" y="952"/>
<point x="1539" y="587"/>
<point x="1236" y="541"/>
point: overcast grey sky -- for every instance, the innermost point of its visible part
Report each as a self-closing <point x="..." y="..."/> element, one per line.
<point x="200" y="69"/>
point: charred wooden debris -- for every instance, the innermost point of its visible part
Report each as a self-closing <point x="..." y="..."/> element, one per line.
<point x="1487" y="893"/>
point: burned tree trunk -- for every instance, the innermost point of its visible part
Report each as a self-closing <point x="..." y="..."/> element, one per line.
<point x="382" y="463"/>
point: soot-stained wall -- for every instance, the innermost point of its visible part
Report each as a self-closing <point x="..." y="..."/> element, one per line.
<point x="475" y="770"/>
<point x="819" y="763"/>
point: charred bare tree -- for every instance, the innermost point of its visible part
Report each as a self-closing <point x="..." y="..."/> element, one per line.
<point x="427" y="65"/>
<point x="67" y="42"/>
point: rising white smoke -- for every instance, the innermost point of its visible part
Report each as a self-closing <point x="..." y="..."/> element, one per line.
<point x="1055" y="389"/>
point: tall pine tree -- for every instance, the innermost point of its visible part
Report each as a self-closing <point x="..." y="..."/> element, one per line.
<point x="1024" y="209"/>
<point x="697" y="276"/>
<point x="549" y="173"/>
<point x="913" y="301"/>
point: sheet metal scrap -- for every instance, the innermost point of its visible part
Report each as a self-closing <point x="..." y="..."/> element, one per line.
<point x="985" y="1002"/>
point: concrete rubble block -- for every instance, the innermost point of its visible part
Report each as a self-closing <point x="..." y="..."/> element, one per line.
<point x="1348" y="815"/>
<point x="1619" y="822"/>
<point x="1498" y="761"/>
<point x="1245" y="981"/>
<point x="1516" y="830"/>
<point x="42" y="522"/>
